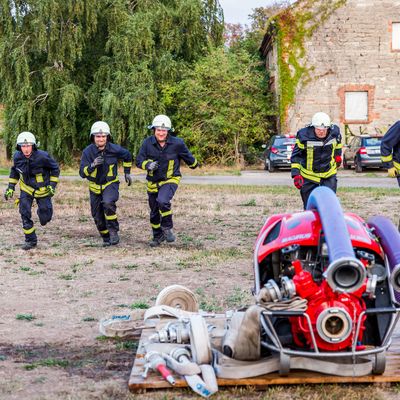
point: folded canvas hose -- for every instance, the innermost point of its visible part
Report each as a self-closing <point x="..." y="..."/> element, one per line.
<point x="178" y="296"/>
<point x="123" y="325"/>
<point x="242" y="340"/>
<point x="168" y="312"/>
<point x="204" y="385"/>
<point x="228" y="368"/>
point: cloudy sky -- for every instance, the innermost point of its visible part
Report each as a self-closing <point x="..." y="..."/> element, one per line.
<point x="237" y="11"/>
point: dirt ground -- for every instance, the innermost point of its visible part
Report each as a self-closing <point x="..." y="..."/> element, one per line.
<point x="52" y="298"/>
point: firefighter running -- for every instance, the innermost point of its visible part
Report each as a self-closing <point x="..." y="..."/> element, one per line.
<point x="99" y="165"/>
<point x="160" y="154"/>
<point x="390" y="151"/>
<point x="37" y="174"/>
<point x="316" y="156"/>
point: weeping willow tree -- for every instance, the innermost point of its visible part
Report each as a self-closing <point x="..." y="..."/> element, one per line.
<point x="67" y="63"/>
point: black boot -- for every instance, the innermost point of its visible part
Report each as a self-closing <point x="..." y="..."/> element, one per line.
<point x="169" y="235"/>
<point x="156" y="241"/>
<point x="28" y="245"/>
<point x="114" y="238"/>
<point x="106" y="242"/>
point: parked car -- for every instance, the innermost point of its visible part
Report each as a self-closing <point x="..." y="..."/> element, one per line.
<point x="363" y="152"/>
<point x="278" y="152"/>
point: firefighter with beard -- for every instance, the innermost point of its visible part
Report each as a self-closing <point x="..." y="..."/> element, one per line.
<point x="38" y="175"/>
<point x="316" y="156"/>
<point x="160" y="155"/>
<point x="99" y="165"/>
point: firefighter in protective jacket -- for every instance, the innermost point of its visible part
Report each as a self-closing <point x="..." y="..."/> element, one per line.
<point x="316" y="156"/>
<point x="390" y="151"/>
<point x="99" y="165"/>
<point x="160" y="155"/>
<point x="37" y="174"/>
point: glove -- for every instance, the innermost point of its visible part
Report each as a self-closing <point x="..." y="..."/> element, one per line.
<point x="338" y="160"/>
<point x="51" y="190"/>
<point x="392" y="172"/>
<point x="8" y="193"/>
<point x="128" y="179"/>
<point x="97" y="161"/>
<point x="298" y="181"/>
<point x="152" y="166"/>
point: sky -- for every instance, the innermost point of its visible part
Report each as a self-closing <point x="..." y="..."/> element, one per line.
<point x="237" y="11"/>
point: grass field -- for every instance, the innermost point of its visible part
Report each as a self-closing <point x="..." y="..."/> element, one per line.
<point x="53" y="297"/>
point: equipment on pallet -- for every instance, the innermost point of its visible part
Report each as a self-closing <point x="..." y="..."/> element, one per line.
<point x="327" y="294"/>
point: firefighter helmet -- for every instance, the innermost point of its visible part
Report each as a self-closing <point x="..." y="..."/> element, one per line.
<point x="26" y="138"/>
<point x="161" y="121"/>
<point x="100" y="127"/>
<point x="321" y="120"/>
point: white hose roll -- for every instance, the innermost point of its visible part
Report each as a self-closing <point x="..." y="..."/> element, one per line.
<point x="178" y="296"/>
<point x="199" y="340"/>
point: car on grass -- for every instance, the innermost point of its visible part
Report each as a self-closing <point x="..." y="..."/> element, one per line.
<point x="363" y="152"/>
<point x="278" y="152"/>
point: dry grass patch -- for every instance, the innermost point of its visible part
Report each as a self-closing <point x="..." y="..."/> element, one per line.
<point x="70" y="282"/>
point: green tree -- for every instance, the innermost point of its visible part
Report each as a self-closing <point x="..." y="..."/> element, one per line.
<point x="222" y="110"/>
<point x="67" y="63"/>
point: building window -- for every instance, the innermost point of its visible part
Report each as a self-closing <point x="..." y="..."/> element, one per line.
<point x="396" y="36"/>
<point x="356" y="106"/>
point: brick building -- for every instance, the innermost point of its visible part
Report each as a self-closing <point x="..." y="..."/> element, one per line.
<point x="341" y="57"/>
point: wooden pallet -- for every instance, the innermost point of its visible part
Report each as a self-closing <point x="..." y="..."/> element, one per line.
<point x="153" y="381"/>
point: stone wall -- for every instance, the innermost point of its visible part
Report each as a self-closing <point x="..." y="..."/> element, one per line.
<point x="352" y="51"/>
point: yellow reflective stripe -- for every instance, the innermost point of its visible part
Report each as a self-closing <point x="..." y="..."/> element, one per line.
<point x="152" y="187"/>
<point x="39" y="178"/>
<point x="299" y="144"/>
<point x="12" y="180"/>
<point x="97" y="189"/>
<point x="396" y="165"/>
<point x="308" y="176"/>
<point x="54" y="179"/>
<point x="333" y="162"/>
<point x="144" y="163"/>
<point x="104" y="232"/>
<point x="110" y="217"/>
<point x="165" y="213"/>
<point x="111" y="170"/>
<point x="339" y="145"/>
<point x="37" y="193"/>
<point x="316" y="176"/>
<point x="85" y="170"/>
<point x="25" y="188"/>
<point x="295" y="165"/>
<point x="310" y="158"/>
<point x="174" y="179"/>
<point x="194" y="164"/>
<point x="29" y="231"/>
<point x="156" y="226"/>
<point x="127" y="164"/>
<point x="387" y="158"/>
<point x="170" y="168"/>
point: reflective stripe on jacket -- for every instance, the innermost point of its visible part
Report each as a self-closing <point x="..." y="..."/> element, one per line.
<point x="314" y="158"/>
<point x="34" y="173"/>
<point x="169" y="158"/>
<point x="106" y="173"/>
<point x="390" y="147"/>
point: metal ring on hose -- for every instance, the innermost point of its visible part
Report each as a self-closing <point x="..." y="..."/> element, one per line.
<point x="178" y="296"/>
<point x="199" y="340"/>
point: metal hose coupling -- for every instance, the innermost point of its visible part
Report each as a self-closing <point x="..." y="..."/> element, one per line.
<point x="345" y="275"/>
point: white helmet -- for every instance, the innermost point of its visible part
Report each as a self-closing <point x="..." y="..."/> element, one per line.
<point x="161" y="121"/>
<point x="321" y="120"/>
<point x="100" y="127"/>
<point x="26" y="138"/>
